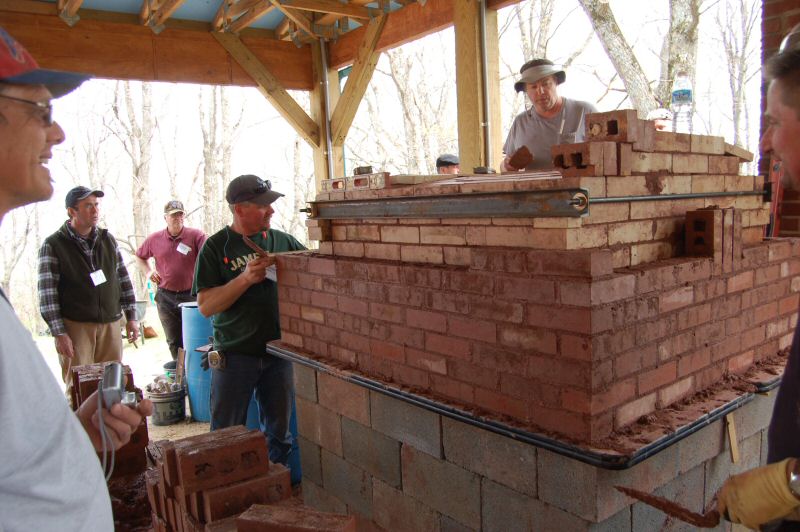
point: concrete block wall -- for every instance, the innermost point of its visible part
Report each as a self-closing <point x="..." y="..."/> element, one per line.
<point x="558" y="341"/>
<point x="399" y="467"/>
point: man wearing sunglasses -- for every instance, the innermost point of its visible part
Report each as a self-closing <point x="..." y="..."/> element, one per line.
<point x="50" y="477"/>
<point x="236" y="283"/>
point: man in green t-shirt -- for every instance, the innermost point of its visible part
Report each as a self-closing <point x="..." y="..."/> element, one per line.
<point x="239" y="289"/>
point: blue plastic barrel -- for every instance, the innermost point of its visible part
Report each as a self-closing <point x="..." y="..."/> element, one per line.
<point x="196" y="330"/>
<point x="294" y="456"/>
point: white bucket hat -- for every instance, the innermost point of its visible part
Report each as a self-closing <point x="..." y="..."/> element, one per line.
<point x="536" y="69"/>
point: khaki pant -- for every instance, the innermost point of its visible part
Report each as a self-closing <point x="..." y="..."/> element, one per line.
<point x="93" y="342"/>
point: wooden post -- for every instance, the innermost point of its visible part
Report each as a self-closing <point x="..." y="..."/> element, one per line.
<point x="469" y="84"/>
<point x="318" y="114"/>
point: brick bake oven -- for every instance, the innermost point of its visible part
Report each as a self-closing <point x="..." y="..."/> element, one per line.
<point x="497" y="352"/>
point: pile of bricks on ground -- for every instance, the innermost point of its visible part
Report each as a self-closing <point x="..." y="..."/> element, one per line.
<point x="126" y="485"/>
<point x="577" y="326"/>
<point x="129" y="459"/>
<point x="212" y="482"/>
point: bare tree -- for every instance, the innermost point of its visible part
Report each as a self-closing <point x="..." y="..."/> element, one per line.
<point x="737" y="26"/>
<point x="135" y="134"/>
<point x="17" y="233"/>
<point x="424" y="87"/>
<point x="620" y="54"/>
<point x="218" y="128"/>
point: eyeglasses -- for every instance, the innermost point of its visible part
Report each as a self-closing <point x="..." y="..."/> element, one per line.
<point x="46" y="108"/>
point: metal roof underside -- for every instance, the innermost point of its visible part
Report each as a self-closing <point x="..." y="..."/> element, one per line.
<point x="301" y="21"/>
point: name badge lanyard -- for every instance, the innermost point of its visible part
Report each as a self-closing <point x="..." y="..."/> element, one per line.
<point x="97" y="275"/>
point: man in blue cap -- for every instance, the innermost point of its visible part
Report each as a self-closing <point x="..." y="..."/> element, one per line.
<point x="50" y="477"/>
<point x="84" y="287"/>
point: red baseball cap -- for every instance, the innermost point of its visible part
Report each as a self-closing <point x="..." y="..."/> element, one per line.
<point x="17" y="66"/>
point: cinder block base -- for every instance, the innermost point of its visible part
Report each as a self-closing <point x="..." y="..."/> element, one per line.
<point x="453" y="475"/>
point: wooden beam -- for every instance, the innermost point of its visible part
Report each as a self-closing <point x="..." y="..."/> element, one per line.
<point x="128" y="50"/>
<point x="302" y="22"/>
<point x="331" y="17"/>
<point x="329" y="6"/>
<point x="164" y="11"/>
<point x="357" y="81"/>
<point x="469" y="87"/>
<point x="69" y="8"/>
<point x="256" y="11"/>
<point x="318" y="112"/>
<point x="271" y="88"/>
<point x="222" y="16"/>
<point x="497" y="135"/>
<point x="402" y="26"/>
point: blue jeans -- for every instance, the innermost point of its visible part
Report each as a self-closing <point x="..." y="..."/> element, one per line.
<point x="272" y="380"/>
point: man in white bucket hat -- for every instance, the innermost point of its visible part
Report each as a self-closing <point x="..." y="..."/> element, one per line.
<point x="553" y="119"/>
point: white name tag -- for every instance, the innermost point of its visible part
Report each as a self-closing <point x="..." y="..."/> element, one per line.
<point x="98" y="277"/>
<point x="183" y="249"/>
<point x="272" y="273"/>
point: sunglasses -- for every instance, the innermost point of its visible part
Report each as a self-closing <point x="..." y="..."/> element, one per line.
<point x="45" y="108"/>
<point x="262" y="186"/>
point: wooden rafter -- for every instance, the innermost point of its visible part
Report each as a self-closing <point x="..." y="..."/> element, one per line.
<point x="154" y="13"/>
<point x="231" y="10"/>
<point x="68" y="11"/>
<point x="298" y="18"/>
<point x="271" y="88"/>
<point x="69" y="8"/>
<point x="254" y="13"/>
<point x="363" y="67"/>
<point x="283" y="29"/>
<point x="330" y="6"/>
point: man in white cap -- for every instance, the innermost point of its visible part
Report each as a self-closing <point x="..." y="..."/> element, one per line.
<point x="238" y="286"/>
<point x="553" y="119"/>
<point x="50" y="477"/>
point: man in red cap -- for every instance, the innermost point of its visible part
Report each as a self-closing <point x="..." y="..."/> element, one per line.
<point x="50" y="478"/>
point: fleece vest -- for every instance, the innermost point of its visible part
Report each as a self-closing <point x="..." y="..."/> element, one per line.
<point x="79" y="298"/>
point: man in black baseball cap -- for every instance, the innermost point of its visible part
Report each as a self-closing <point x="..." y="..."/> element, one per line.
<point x="50" y="477"/>
<point x="84" y="287"/>
<point x="80" y="193"/>
<point x="236" y="282"/>
<point x="250" y="189"/>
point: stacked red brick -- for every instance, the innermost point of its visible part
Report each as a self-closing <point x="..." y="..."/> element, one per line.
<point x="130" y="458"/>
<point x="203" y="480"/>
<point x="578" y="326"/>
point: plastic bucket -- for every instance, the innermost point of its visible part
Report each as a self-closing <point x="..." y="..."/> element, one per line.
<point x="168" y="408"/>
<point x="196" y="330"/>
